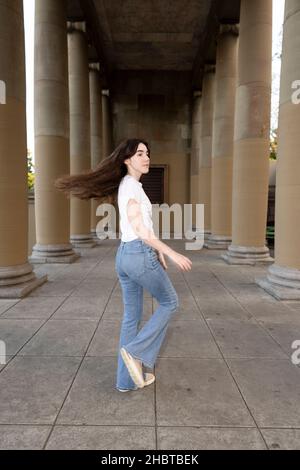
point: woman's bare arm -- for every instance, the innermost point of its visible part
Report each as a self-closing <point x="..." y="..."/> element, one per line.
<point x="135" y="219"/>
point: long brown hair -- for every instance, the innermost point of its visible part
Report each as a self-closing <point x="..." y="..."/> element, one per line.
<point x="101" y="182"/>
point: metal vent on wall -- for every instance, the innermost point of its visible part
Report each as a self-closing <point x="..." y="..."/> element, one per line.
<point x="154" y="185"/>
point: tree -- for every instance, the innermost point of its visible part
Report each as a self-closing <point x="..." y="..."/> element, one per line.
<point x="273" y="144"/>
<point x="30" y="172"/>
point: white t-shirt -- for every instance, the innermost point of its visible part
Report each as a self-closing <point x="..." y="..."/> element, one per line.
<point x="131" y="188"/>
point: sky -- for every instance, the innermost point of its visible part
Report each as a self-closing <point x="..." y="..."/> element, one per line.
<point x="278" y="13"/>
<point x="278" y="17"/>
<point x="29" y="44"/>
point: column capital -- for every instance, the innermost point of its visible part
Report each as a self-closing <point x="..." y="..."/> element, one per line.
<point x="105" y="92"/>
<point x="229" y="28"/>
<point x="76" y="26"/>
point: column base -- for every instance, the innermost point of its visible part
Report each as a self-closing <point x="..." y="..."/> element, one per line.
<point x="53" y="254"/>
<point x="194" y="233"/>
<point x="247" y="255"/>
<point x="207" y="235"/>
<point x="281" y="282"/>
<point x="83" y="241"/>
<point x="96" y="239"/>
<point x="218" y="242"/>
<point x="18" y="281"/>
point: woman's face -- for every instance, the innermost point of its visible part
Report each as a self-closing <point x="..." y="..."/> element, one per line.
<point x="140" y="161"/>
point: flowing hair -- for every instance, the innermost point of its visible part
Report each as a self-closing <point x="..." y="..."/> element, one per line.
<point x="101" y="182"/>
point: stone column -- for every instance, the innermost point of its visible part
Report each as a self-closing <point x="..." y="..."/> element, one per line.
<point x="96" y="133"/>
<point x="52" y="154"/>
<point x="80" y="146"/>
<point x="106" y="124"/>
<point x="252" y="136"/>
<point x="222" y="142"/>
<point x="195" y="153"/>
<point x="107" y="141"/>
<point x="283" y="279"/>
<point x="17" y="278"/>
<point x="204" y="184"/>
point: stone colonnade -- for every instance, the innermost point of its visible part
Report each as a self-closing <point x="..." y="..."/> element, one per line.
<point x="236" y="193"/>
<point x="283" y="278"/>
<point x="72" y="134"/>
<point x="17" y="277"/>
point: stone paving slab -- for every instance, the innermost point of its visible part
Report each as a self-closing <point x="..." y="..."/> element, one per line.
<point x="188" y="309"/>
<point x="271" y="388"/>
<point x="33" y="307"/>
<point x="23" y="437"/>
<point x="61" y="338"/>
<point x="15" y="333"/>
<point x="7" y="304"/>
<point x="198" y="392"/>
<point x="294" y="305"/>
<point x="94" y="287"/>
<point x="51" y="270"/>
<point x="93" y="399"/>
<point x="208" y="438"/>
<point x="222" y="307"/>
<point x="7" y="360"/>
<point x="106" y="339"/>
<point x="224" y="375"/>
<point x="72" y="272"/>
<point x="102" y="437"/>
<point x="103" y="270"/>
<point x="244" y="339"/>
<point x="285" y="335"/>
<point x="189" y="339"/>
<point x="270" y="312"/>
<point x="282" y="439"/>
<point x="114" y="309"/>
<point x="54" y="288"/>
<point x="80" y="308"/>
<point x="33" y="388"/>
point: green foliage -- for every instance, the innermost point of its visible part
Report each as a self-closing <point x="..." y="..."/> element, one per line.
<point x="270" y="234"/>
<point x="273" y="144"/>
<point x="30" y="172"/>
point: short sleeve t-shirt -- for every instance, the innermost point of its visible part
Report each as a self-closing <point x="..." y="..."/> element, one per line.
<point x="131" y="188"/>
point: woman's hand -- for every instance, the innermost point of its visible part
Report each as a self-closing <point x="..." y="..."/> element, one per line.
<point x="162" y="260"/>
<point x="181" y="261"/>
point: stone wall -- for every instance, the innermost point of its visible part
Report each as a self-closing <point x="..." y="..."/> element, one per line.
<point x="156" y="106"/>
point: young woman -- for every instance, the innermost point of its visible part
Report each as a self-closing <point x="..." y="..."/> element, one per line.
<point x="140" y="262"/>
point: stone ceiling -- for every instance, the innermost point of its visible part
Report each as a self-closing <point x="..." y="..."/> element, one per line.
<point x="167" y="35"/>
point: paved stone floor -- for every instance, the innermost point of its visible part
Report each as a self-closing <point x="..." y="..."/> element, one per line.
<point x="225" y="379"/>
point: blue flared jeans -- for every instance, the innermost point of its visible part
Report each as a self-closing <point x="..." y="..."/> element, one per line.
<point x="138" y="267"/>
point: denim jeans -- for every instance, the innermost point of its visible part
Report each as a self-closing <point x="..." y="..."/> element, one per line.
<point x="138" y="267"/>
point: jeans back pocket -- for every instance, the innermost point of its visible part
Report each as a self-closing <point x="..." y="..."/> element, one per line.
<point x="133" y="262"/>
<point x="151" y="258"/>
